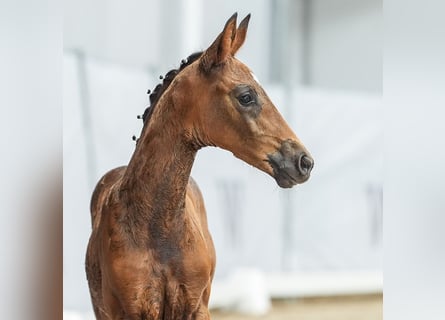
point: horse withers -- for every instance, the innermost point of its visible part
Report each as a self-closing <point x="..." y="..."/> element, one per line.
<point x="150" y="254"/>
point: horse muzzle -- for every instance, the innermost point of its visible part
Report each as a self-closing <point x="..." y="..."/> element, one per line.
<point x="291" y="164"/>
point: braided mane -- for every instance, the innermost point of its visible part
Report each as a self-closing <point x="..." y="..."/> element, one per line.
<point x="161" y="87"/>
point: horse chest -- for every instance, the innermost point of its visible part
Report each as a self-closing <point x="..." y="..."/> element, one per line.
<point x="173" y="287"/>
<point x="164" y="258"/>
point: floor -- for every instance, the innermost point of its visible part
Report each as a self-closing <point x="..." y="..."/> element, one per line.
<point x="334" y="308"/>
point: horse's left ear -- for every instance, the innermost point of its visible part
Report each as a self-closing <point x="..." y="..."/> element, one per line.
<point x="221" y="48"/>
<point x="240" y="35"/>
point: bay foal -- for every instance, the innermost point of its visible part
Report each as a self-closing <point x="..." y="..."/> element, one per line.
<point x="150" y="254"/>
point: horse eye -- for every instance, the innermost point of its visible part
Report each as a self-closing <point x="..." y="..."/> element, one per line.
<point x="246" y="99"/>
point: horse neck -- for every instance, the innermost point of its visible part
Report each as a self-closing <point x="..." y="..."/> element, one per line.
<point x="154" y="185"/>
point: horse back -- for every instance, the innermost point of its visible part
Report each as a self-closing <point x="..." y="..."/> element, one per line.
<point x="194" y="194"/>
<point x="196" y="211"/>
<point x="102" y="191"/>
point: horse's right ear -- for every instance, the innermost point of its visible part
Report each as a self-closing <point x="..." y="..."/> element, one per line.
<point x="221" y="48"/>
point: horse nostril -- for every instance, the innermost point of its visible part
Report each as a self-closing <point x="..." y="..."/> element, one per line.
<point x="305" y="164"/>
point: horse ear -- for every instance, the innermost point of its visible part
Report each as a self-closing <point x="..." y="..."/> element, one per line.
<point x="221" y="48"/>
<point x="240" y="35"/>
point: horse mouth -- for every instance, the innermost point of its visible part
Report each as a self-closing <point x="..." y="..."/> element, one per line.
<point x="285" y="180"/>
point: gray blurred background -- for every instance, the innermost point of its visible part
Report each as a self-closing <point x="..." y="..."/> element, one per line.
<point x="320" y="62"/>
<point x="334" y="44"/>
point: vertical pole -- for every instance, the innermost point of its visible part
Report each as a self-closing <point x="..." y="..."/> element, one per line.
<point x="291" y="20"/>
<point x="289" y="76"/>
<point x="192" y="26"/>
<point x="85" y="106"/>
<point x="181" y="30"/>
<point x="171" y="35"/>
<point x="306" y="29"/>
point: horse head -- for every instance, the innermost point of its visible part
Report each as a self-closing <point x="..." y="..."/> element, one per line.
<point x="228" y="108"/>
